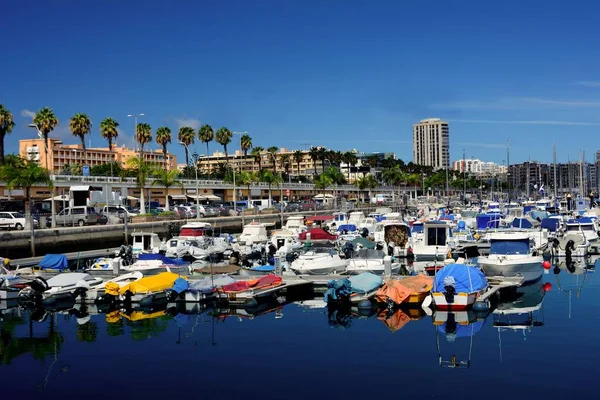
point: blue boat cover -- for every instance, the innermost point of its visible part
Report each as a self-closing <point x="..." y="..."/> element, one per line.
<point x="581" y="220"/>
<point x="539" y="215"/>
<point x="461" y="226"/>
<point x="208" y="284"/>
<point x="417" y="228"/>
<point x="467" y="279"/>
<point x="263" y="268"/>
<point x="526" y="209"/>
<point x="164" y="259"/>
<point x="509" y="246"/>
<point x="347" y="227"/>
<point x="485" y="221"/>
<point x="460" y="330"/>
<point x="54" y="261"/>
<point x="365" y="282"/>
<point x="336" y="289"/>
<point x="551" y="224"/>
<point x="180" y="285"/>
<point x="522" y="223"/>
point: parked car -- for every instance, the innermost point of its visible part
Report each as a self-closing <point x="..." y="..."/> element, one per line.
<point x="78" y="215"/>
<point x="120" y="211"/>
<point x="12" y="220"/>
<point x="292" y="206"/>
<point x="206" y="211"/>
<point x="186" y="211"/>
<point x="227" y="208"/>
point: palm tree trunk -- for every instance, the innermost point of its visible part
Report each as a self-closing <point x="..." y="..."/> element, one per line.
<point x="226" y="155"/>
<point x="167" y="200"/>
<point x="142" y="199"/>
<point x="27" y="209"/>
<point x="111" y="157"/>
<point x="270" y="201"/>
<point x="2" y="148"/>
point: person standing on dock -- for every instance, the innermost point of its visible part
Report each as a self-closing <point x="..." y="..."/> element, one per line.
<point x="569" y="200"/>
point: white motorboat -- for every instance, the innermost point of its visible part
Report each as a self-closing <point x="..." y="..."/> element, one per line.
<point x="254" y="232"/>
<point x="319" y="261"/>
<point x="295" y="224"/>
<point x="369" y="260"/>
<point x="432" y="244"/>
<point x="286" y="240"/>
<point x="396" y="235"/>
<point x="105" y="266"/>
<point x="60" y="288"/>
<point x="511" y="254"/>
<point x="117" y="282"/>
<point x="195" y="230"/>
<point x="145" y="242"/>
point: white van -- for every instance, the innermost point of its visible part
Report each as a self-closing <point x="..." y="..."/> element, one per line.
<point x="118" y="210"/>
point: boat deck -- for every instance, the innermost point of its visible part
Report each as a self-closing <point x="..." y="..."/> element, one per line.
<point x="497" y="283"/>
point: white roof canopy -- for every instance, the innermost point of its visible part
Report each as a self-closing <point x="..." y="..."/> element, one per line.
<point x="63" y="197"/>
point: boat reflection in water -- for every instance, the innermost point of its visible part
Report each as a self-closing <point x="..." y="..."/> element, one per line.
<point x="453" y="326"/>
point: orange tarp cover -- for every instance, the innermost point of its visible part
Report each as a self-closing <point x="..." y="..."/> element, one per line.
<point x="264" y="282"/>
<point x="394" y="322"/>
<point x="398" y="290"/>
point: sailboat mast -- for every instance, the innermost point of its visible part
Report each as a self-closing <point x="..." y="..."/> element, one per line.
<point x="464" y="177"/>
<point x="507" y="170"/>
<point x="528" y="173"/>
<point x="554" y="162"/>
<point x="581" y="188"/>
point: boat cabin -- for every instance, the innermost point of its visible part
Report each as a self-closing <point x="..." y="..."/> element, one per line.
<point x="356" y="218"/>
<point x="436" y="233"/>
<point x="295" y="223"/>
<point x="510" y="243"/>
<point x="254" y="232"/>
<point x="192" y="230"/>
<point x="145" y="242"/>
<point x="377" y="216"/>
<point x="543" y="204"/>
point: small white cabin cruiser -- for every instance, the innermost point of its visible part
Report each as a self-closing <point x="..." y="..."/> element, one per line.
<point x="254" y="232"/>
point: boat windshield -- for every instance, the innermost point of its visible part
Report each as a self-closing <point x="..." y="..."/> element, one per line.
<point x="509" y="246"/>
<point x="417" y="228"/>
<point x="577" y="227"/>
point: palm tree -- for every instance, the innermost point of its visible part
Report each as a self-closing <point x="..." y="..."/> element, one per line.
<point x="24" y="175"/>
<point x="109" y="131"/>
<point x="6" y="126"/>
<point x="166" y="179"/>
<point x="367" y="182"/>
<point x="223" y="137"/>
<point x="270" y="178"/>
<point x="413" y="179"/>
<point x="206" y="135"/>
<point x="186" y="136"/>
<point x="245" y="178"/>
<point x="322" y="154"/>
<point x="314" y="155"/>
<point x="143" y="135"/>
<point x="322" y="182"/>
<point x="80" y="125"/>
<point x="45" y="121"/>
<point x="285" y="163"/>
<point x="272" y="152"/>
<point x="140" y="169"/>
<point x="298" y="157"/>
<point x="245" y="144"/>
<point x="257" y="154"/>
<point x="163" y="136"/>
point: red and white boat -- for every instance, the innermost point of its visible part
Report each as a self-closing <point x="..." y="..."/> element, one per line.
<point x="457" y="287"/>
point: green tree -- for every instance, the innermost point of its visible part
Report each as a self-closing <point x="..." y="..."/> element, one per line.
<point x="350" y="159"/>
<point x="109" y="131"/>
<point x="206" y="135"/>
<point x="186" y="136"/>
<point x="243" y="178"/>
<point x="285" y="163"/>
<point x="6" y="126"/>
<point x="163" y="137"/>
<point x="24" y="175"/>
<point x="272" y="152"/>
<point x="223" y="137"/>
<point x="314" y="155"/>
<point x="257" y="154"/>
<point x="46" y="121"/>
<point x="166" y="179"/>
<point x="298" y="157"/>
<point x="367" y="182"/>
<point x="335" y="175"/>
<point x="143" y="135"/>
<point x="245" y="144"/>
<point x="270" y="178"/>
<point x="141" y="170"/>
<point x="81" y="125"/>
<point x="107" y="169"/>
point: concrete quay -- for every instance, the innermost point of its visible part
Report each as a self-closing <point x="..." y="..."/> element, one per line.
<point x="17" y="244"/>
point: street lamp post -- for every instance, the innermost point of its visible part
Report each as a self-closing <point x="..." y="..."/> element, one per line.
<point x="233" y="169"/>
<point x="135" y="124"/>
<point x="52" y="206"/>
<point x="197" y="188"/>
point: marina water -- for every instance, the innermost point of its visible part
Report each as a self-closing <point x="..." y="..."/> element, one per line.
<point x="295" y="351"/>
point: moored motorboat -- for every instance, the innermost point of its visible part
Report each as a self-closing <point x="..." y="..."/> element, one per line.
<point x="511" y="255"/>
<point x="457" y="286"/>
<point x="319" y="261"/>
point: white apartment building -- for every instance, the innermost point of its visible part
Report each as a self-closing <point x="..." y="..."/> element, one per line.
<point x="478" y="167"/>
<point x="431" y="143"/>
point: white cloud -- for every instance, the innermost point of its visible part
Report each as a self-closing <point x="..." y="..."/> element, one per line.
<point x="194" y="123"/>
<point x="27" y="113"/>
<point x="527" y="122"/>
<point x="515" y="103"/>
<point x="484" y="145"/>
<point x="592" y="84"/>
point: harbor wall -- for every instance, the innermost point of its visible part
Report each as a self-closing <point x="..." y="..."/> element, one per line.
<point x="17" y="244"/>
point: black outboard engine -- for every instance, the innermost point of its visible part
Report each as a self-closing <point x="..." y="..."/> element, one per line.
<point x="449" y="289"/>
<point x="234" y="257"/>
<point x="348" y="249"/>
<point x="33" y="293"/>
<point x="364" y="233"/>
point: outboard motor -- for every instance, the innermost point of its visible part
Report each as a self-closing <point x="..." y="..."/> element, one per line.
<point x="272" y="250"/>
<point x="364" y="233"/>
<point x="449" y="288"/>
<point x="348" y="250"/>
<point x="291" y="257"/>
<point x="234" y="257"/>
<point x="33" y="293"/>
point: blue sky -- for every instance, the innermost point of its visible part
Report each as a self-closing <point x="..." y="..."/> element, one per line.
<point x="342" y="74"/>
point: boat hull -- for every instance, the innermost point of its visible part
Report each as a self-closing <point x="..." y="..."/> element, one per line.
<point x="374" y="266"/>
<point x="529" y="268"/>
<point x="462" y="301"/>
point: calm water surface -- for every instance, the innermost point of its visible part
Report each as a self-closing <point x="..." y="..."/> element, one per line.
<point x="298" y="351"/>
